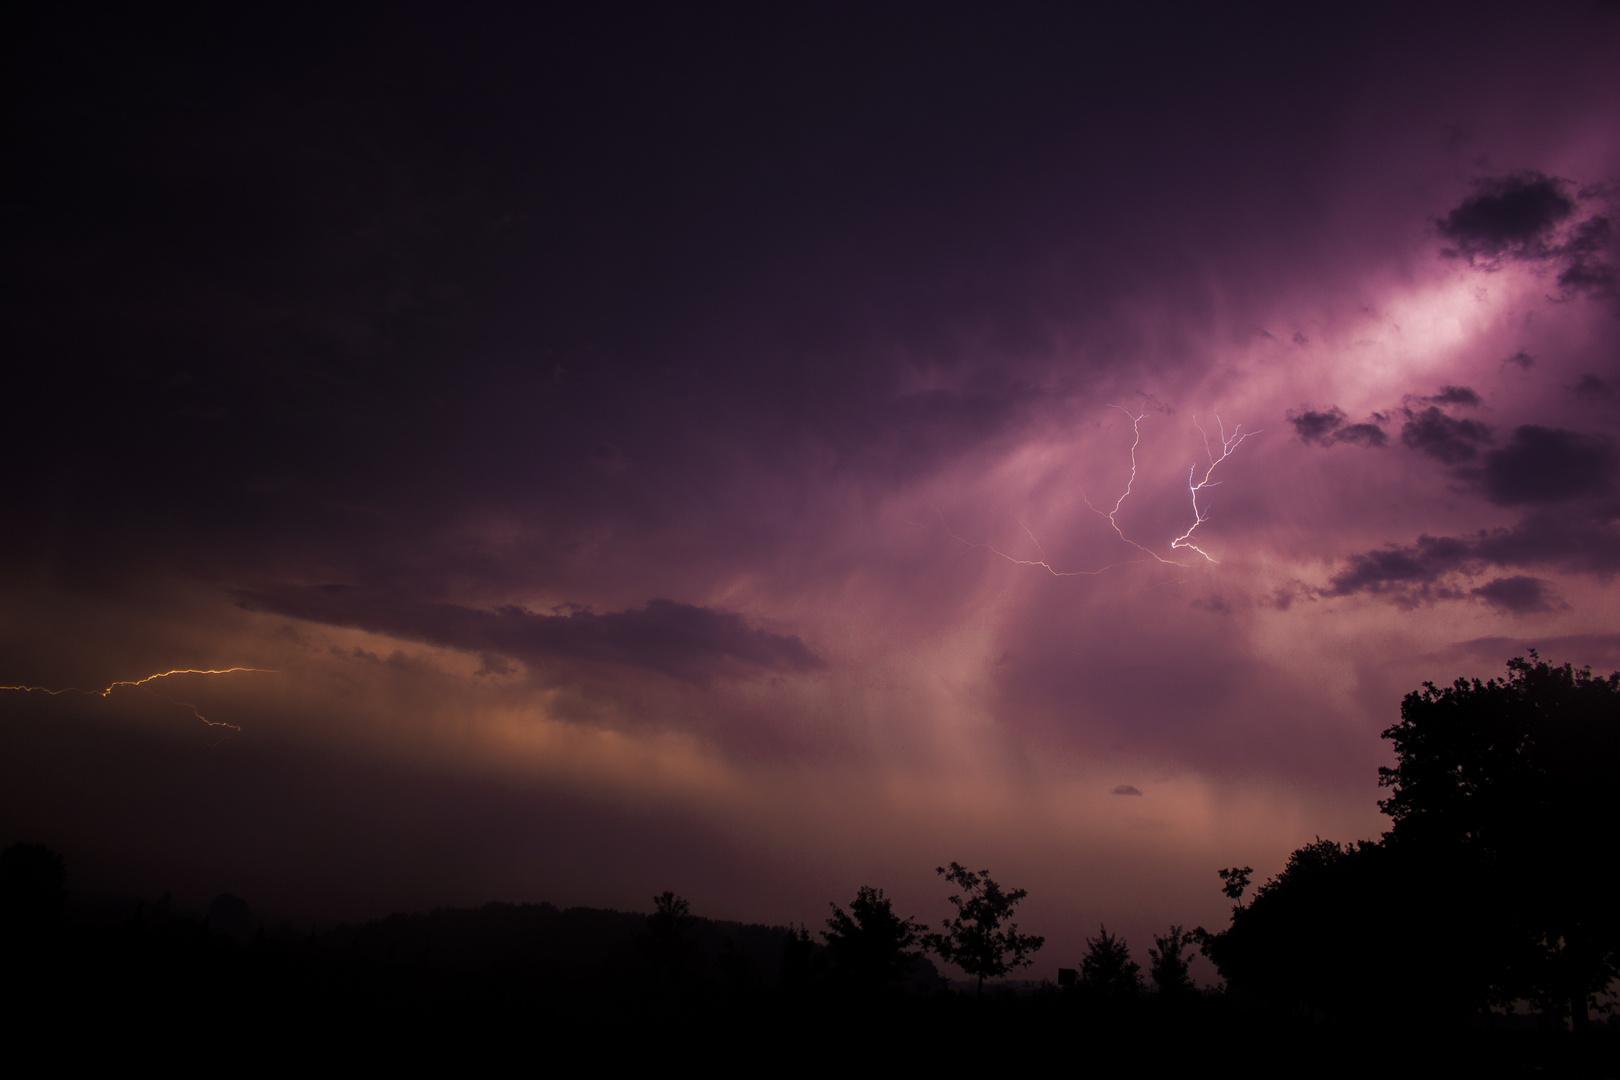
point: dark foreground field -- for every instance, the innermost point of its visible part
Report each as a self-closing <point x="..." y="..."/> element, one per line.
<point x="538" y="988"/>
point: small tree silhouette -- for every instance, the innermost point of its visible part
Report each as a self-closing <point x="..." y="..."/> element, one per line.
<point x="974" y="941"/>
<point x="1108" y="967"/>
<point x="667" y="942"/>
<point x="1234" y="880"/>
<point x="1169" y="962"/>
<point x="803" y="964"/>
<point x="870" y="945"/>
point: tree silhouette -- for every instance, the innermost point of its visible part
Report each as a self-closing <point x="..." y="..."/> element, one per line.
<point x="1491" y="887"/>
<point x="975" y="941"/>
<point x="668" y="942"/>
<point x="870" y="946"/>
<point x="1169" y="965"/>
<point x="1234" y="880"/>
<point x="802" y="964"/>
<point x="1107" y="966"/>
<point x="1515" y="781"/>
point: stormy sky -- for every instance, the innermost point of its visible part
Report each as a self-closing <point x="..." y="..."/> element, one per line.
<point x="763" y="450"/>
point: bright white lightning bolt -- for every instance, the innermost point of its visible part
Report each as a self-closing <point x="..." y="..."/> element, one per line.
<point x="107" y="690"/>
<point x="1229" y="444"/>
<point x="1130" y="482"/>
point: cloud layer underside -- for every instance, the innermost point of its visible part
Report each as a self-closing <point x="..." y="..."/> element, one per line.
<point x="683" y="641"/>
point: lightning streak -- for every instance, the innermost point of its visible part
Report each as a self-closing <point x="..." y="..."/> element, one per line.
<point x="1229" y="444"/>
<point x="107" y="690"/>
<point x="1041" y="562"/>
<point x="1130" y="482"/>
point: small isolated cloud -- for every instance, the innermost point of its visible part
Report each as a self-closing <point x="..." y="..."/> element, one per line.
<point x="681" y="640"/>
<point x="1300" y="338"/>
<point x="1548" y="465"/>
<point x="1127" y="789"/>
<point x="1508" y="217"/>
<point x="1327" y="427"/>
<point x="1456" y="395"/>
<point x="1521" y="359"/>
<point x="1314" y="426"/>
<point x="1592" y="388"/>
<point x="1285" y="596"/>
<point x="1444" y="437"/>
<point x="1518" y="595"/>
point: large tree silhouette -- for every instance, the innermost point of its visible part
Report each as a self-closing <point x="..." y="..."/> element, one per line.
<point x="1517" y="781"/>
<point x="1492" y="885"/>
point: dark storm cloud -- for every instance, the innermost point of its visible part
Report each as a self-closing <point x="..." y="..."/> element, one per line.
<point x="1456" y="395"/>
<point x="1564" y="538"/>
<point x="1511" y="216"/>
<point x="1314" y="426"/>
<point x="1523" y="217"/>
<point x="1370" y="435"/>
<point x="1592" y="388"/>
<point x="1440" y="436"/>
<point x="681" y="640"/>
<point x="1589" y="252"/>
<point x="1548" y="465"/>
<point x="1409" y="572"/>
<point x="1518" y="595"/>
<point x="1332" y="426"/>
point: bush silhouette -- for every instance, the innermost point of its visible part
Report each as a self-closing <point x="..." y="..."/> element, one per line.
<point x="1107" y="967"/>
<point x="870" y="946"/>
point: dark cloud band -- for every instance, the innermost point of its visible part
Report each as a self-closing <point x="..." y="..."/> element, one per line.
<point x="680" y="640"/>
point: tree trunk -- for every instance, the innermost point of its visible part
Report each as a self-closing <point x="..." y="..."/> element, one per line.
<point x="1579" y="1018"/>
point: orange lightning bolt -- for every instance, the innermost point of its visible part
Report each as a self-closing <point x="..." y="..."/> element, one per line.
<point x="110" y="687"/>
